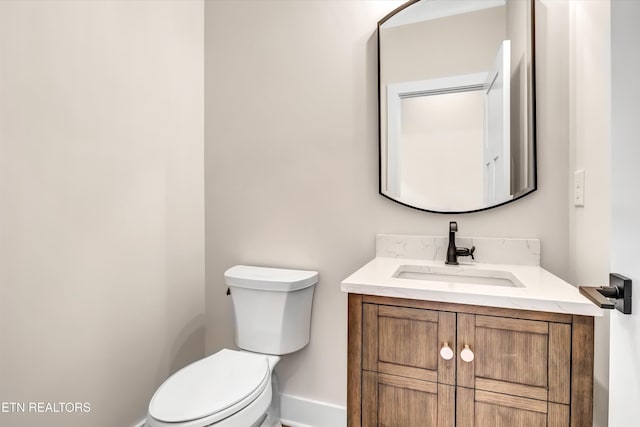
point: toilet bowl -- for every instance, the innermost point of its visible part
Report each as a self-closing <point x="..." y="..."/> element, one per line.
<point x="238" y="388"/>
<point x="227" y="389"/>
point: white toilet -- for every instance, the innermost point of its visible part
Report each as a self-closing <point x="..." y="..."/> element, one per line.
<point x="272" y="309"/>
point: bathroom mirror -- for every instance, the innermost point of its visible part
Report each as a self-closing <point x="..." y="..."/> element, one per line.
<point x="457" y="104"/>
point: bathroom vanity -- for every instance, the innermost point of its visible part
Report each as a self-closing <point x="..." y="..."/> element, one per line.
<point x="480" y="344"/>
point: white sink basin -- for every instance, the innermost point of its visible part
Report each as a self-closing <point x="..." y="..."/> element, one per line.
<point x="458" y="274"/>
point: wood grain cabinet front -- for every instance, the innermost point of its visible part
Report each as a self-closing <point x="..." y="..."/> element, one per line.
<point x="421" y="363"/>
<point x="405" y="380"/>
<point x="520" y="369"/>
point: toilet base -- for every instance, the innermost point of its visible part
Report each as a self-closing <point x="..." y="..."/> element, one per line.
<point x="273" y="415"/>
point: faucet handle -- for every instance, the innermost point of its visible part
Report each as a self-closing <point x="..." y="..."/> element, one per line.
<point x="466" y="252"/>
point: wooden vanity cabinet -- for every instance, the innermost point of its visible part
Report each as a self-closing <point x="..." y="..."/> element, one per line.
<point x="522" y="368"/>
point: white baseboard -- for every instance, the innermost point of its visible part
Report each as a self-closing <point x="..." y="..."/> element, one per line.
<point x="297" y="411"/>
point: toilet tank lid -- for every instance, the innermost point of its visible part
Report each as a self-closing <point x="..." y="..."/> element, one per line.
<point x="269" y="279"/>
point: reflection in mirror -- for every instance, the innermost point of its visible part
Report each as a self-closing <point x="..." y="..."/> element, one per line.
<point x="457" y="109"/>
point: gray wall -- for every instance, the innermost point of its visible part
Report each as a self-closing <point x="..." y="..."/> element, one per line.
<point x="101" y="204"/>
<point x="590" y="145"/>
<point x="292" y="164"/>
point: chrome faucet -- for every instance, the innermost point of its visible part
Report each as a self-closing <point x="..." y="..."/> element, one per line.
<point x="453" y="252"/>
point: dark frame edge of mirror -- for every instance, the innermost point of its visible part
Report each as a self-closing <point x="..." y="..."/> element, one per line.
<point x="534" y="130"/>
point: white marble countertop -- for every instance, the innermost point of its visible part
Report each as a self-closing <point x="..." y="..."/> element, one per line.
<point x="542" y="290"/>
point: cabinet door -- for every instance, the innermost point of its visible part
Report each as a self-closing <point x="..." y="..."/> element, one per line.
<point x="402" y="367"/>
<point x="521" y="358"/>
<point x="396" y="401"/>
<point x="407" y="342"/>
<point x="479" y="408"/>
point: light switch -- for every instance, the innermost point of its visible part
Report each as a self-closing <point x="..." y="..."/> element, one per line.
<point x="578" y="188"/>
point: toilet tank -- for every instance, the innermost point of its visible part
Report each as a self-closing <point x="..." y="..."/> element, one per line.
<point x="272" y="307"/>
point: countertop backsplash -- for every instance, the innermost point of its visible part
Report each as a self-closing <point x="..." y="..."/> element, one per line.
<point x="434" y="248"/>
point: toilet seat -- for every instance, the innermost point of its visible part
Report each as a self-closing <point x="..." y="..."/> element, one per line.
<point x="211" y="389"/>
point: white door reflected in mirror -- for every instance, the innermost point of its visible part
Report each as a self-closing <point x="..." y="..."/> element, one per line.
<point x="497" y="147"/>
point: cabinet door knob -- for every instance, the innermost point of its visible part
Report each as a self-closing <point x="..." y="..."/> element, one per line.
<point x="445" y="352"/>
<point x="466" y="354"/>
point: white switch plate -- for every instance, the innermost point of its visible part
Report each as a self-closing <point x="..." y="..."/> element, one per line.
<point x="578" y="188"/>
